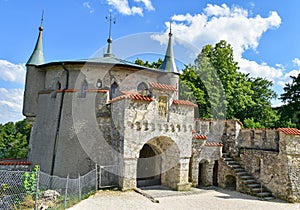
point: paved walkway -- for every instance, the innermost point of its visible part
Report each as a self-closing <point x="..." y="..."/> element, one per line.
<point x="210" y="199"/>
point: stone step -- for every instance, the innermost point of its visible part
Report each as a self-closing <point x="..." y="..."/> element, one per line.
<point x="264" y="194"/>
<point x="239" y="169"/>
<point x="235" y="166"/>
<point x="253" y="185"/>
<point x="241" y="173"/>
<point x="258" y="189"/>
<point x="246" y="177"/>
<point x="231" y="162"/>
<point x="249" y="181"/>
<point x="228" y="159"/>
<point x="269" y="198"/>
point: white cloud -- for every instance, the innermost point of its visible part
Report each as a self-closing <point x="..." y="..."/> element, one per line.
<point x="234" y="25"/>
<point x="296" y="61"/>
<point x="260" y="70"/>
<point x="88" y="6"/>
<point x="11" y="100"/>
<point x="12" y="72"/>
<point x="11" y="103"/>
<point x="291" y="73"/>
<point x="287" y="77"/>
<point x="124" y="8"/>
<point x="147" y="3"/>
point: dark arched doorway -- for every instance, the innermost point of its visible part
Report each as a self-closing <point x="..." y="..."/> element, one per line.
<point x="202" y="173"/>
<point x="148" y="167"/>
<point x="230" y="182"/>
<point x="215" y="174"/>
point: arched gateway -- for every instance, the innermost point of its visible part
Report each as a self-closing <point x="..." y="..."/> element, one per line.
<point x="159" y="163"/>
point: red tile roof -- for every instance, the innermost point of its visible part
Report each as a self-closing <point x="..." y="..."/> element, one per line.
<point x="198" y="136"/>
<point x="290" y="131"/>
<point x="214" y="144"/>
<point x="132" y="96"/>
<point x="184" y="102"/>
<point x="15" y="163"/>
<point x="162" y="86"/>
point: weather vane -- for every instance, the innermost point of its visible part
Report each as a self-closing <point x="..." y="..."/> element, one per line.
<point x="42" y="19"/>
<point x="111" y="20"/>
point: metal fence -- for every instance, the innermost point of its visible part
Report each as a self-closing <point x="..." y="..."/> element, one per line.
<point x="53" y="191"/>
<point x="108" y="176"/>
<point x="12" y="190"/>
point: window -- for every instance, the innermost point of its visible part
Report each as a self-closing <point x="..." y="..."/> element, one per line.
<point x="57" y="87"/>
<point x="142" y="86"/>
<point x="162" y="106"/>
<point x="113" y="90"/>
<point x="143" y="89"/>
<point x="99" y="83"/>
<point x="83" y="88"/>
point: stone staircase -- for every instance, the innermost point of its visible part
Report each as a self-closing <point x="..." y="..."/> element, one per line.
<point x="255" y="188"/>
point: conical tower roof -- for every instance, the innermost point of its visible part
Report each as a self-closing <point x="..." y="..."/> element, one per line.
<point x="169" y="64"/>
<point x="37" y="56"/>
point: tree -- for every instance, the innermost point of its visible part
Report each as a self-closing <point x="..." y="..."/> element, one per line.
<point x="154" y="64"/>
<point x="221" y="90"/>
<point x="260" y="112"/>
<point x="290" y="112"/>
<point x="14" y="139"/>
<point x="214" y="82"/>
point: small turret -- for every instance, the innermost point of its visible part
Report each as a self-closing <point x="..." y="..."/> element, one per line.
<point x="37" y="56"/>
<point x="35" y="79"/>
<point x="169" y="64"/>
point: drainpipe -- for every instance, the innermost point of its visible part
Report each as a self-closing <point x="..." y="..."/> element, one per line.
<point x="59" y="118"/>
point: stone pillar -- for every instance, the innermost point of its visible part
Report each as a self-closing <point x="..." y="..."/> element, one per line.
<point x="128" y="174"/>
<point x="195" y="171"/>
<point x="183" y="174"/>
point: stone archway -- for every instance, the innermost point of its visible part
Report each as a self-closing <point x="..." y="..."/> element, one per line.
<point x="148" y="167"/>
<point x="159" y="163"/>
<point x="230" y="182"/>
<point x="203" y="173"/>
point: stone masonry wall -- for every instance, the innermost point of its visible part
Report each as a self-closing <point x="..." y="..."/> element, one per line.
<point x="270" y="168"/>
<point x="289" y="147"/>
<point x="263" y="139"/>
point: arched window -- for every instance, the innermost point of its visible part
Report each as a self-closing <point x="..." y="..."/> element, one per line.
<point x="83" y="88"/>
<point x="142" y="86"/>
<point x="113" y="90"/>
<point x="57" y="87"/>
<point x="99" y="83"/>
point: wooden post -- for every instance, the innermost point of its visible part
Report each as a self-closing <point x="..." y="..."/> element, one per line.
<point x="37" y="188"/>
<point x="96" y="184"/>
<point x="66" y="192"/>
<point x="100" y="177"/>
<point x="79" y="188"/>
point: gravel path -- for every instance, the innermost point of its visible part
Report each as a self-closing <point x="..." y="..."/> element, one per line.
<point x="202" y="199"/>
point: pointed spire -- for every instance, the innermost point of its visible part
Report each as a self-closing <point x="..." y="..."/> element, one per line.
<point x="169" y="64"/>
<point x="37" y="56"/>
<point x="109" y="40"/>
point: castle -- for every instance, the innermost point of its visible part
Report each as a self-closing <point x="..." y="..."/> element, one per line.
<point x="111" y="112"/>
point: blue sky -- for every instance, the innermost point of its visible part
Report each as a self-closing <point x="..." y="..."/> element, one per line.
<point x="264" y="35"/>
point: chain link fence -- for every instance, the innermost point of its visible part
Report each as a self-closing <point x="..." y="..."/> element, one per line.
<point x="12" y="191"/>
<point x="43" y="191"/>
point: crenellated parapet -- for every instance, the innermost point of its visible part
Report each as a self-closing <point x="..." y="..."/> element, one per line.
<point x="149" y="126"/>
